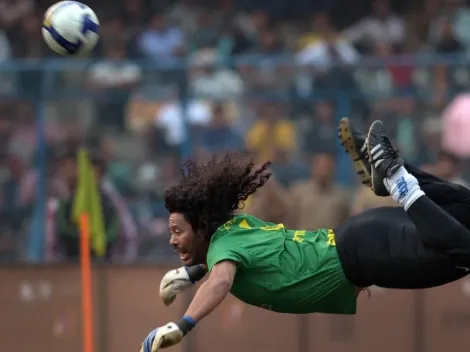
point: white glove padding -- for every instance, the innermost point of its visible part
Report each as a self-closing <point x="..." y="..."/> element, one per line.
<point x="162" y="337"/>
<point x="175" y="281"/>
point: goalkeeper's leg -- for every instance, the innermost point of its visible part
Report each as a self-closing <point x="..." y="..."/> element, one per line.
<point x="423" y="246"/>
<point x="383" y="247"/>
<point x="438" y="229"/>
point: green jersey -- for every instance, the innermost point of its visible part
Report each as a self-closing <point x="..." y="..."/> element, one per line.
<point x="282" y="270"/>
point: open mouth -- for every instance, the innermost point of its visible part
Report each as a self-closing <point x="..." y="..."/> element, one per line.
<point x="184" y="254"/>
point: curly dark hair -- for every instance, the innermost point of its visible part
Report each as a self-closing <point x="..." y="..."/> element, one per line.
<point x="209" y="194"/>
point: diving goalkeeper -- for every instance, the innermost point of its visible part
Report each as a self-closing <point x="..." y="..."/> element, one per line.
<point x="424" y="243"/>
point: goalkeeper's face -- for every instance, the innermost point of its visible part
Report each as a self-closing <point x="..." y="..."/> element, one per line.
<point x="190" y="249"/>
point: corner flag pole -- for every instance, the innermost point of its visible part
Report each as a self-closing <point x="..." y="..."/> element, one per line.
<point x="85" y="271"/>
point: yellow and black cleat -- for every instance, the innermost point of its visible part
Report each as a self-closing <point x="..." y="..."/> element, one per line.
<point x="354" y="143"/>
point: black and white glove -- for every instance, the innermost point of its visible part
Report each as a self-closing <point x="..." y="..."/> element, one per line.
<point x="178" y="280"/>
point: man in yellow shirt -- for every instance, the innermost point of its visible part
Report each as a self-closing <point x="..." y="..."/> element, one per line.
<point x="271" y="132"/>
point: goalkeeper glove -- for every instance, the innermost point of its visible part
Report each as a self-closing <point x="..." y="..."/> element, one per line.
<point x="177" y="280"/>
<point x="167" y="335"/>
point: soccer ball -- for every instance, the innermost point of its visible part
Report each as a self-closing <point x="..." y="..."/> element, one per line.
<point x="70" y="28"/>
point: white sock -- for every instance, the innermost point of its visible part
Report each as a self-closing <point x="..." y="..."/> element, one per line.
<point x="403" y="187"/>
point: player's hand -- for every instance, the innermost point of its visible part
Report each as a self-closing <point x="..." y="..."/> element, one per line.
<point x="162" y="337"/>
<point x="178" y="280"/>
<point x="175" y="281"/>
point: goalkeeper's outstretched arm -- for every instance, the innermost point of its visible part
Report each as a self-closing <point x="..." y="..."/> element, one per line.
<point x="207" y="298"/>
<point x="213" y="291"/>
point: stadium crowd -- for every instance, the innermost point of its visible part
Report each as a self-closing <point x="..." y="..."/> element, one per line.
<point x="269" y="78"/>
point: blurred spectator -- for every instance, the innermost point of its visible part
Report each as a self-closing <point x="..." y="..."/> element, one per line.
<point x="271" y="204"/>
<point x="448" y="167"/>
<point x="457" y="13"/>
<point x="210" y="80"/>
<point x="118" y="172"/>
<point x="325" y="45"/>
<point x="15" y="207"/>
<point x="400" y="74"/>
<point x="5" y="47"/>
<point x="184" y="14"/>
<point x="13" y="12"/>
<point x="318" y="25"/>
<point x="71" y="138"/>
<point x="27" y="41"/>
<point x="171" y="119"/>
<point x="170" y="172"/>
<point x="319" y="202"/>
<point x="7" y="120"/>
<point x="364" y="199"/>
<point x="269" y="76"/>
<point x="232" y="41"/>
<point x="114" y="79"/>
<point x="430" y="141"/>
<point x="153" y="177"/>
<point x="157" y="174"/>
<point x="419" y="22"/>
<point x="207" y="32"/>
<point x="122" y="244"/>
<point x="135" y="14"/>
<point x="73" y="135"/>
<point x="447" y="43"/>
<point x="253" y="23"/>
<point x="455" y="119"/>
<point x="16" y="190"/>
<point x="23" y="138"/>
<point x="126" y="248"/>
<point x="66" y="238"/>
<point x="114" y="30"/>
<point x="14" y="211"/>
<point x="272" y="131"/>
<point x="381" y="26"/>
<point x="160" y="41"/>
<point x="268" y="44"/>
<point x="288" y="169"/>
<point x="219" y="136"/>
<point x="446" y="78"/>
<point x="322" y="128"/>
<point x="147" y="176"/>
<point x="327" y="59"/>
<point x="392" y="86"/>
<point x="323" y="33"/>
<point x="383" y="80"/>
<point x="406" y="126"/>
